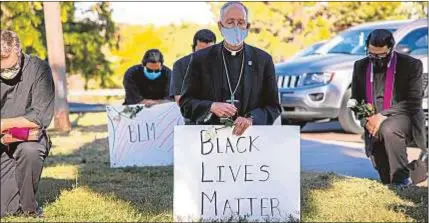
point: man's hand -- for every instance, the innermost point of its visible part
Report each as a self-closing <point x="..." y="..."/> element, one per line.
<point x="3" y="139"/>
<point x="241" y="124"/>
<point x="223" y="110"/>
<point x="149" y="102"/>
<point x="2" y="127"/>
<point x="177" y="99"/>
<point x="33" y="135"/>
<point x="18" y="122"/>
<point x="374" y="122"/>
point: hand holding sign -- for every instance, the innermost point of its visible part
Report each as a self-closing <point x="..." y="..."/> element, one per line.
<point x="240" y="125"/>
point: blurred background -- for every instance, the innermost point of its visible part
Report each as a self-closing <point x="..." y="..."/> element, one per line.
<point x="309" y="42"/>
<point x="103" y="39"/>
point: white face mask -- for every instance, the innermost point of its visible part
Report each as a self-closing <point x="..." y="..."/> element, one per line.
<point x="10" y="73"/>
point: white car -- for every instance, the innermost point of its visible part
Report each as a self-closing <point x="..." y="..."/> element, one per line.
<point x="317" y="87"/>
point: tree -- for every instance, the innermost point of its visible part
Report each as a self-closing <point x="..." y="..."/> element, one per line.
<point x="54" y="37"/>
<point x="86" y="41"/>
<point x="26" y="19"/>
<point x="283" y="28"/>
<point x="174" y="41"/>
<point x="347" y="14"/>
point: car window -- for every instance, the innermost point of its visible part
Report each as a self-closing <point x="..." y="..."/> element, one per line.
<point x="419" y="51"/>
<point x="349" y="42"/>
<point x="309" y="50"/>
<point x="416" y="41"/>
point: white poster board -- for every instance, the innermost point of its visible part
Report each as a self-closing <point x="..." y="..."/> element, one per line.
<point x="145" y="139"/>
<point x="218" y="176"/>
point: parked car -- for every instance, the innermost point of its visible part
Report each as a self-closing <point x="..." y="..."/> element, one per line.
<point x="309" y="50"/>
<point x="317" y="87"/>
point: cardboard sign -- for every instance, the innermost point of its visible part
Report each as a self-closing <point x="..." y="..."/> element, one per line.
<point x="140" y="136"/>
<point x="218" y="176"/>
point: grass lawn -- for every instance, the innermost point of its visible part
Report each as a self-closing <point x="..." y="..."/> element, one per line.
<point x="78" y="185"/>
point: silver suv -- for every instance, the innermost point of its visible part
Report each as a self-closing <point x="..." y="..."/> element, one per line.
<point x="317" y="87"/>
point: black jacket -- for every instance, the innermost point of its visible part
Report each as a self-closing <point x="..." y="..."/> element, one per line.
<point x="203" y="85"/>
<point x="178" y="74"/>
<point x="407" y="94"/>
<point x="138" y="87"/>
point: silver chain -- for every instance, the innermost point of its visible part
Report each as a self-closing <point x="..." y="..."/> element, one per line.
<point x="227" y="74"/>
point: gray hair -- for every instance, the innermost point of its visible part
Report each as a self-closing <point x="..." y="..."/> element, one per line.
<point x="10" y="43"/>
<point x="229" y="4"/>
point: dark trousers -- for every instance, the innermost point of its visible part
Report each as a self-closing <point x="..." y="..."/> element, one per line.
<point x="390" y="149"/>
<point x="21" y="167"/>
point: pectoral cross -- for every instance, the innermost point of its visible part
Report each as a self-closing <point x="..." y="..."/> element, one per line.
<point x="232" y="100"/>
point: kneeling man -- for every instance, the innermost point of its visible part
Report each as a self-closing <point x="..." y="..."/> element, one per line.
<point x="392" y="83"/>
<point x="27" y="108"/>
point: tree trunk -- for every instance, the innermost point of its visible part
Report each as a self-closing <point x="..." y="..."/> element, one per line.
<point x="56" y="57"/>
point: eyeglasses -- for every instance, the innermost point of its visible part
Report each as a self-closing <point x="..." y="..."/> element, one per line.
<point x="378" y="55"/>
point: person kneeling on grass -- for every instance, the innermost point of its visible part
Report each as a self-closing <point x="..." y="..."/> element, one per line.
<point x="148" y="83"/>
<point x="390" y="82"/>
<point x="27" y="108"/>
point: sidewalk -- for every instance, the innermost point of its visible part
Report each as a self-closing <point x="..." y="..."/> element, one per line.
<point x="331" y="150"/>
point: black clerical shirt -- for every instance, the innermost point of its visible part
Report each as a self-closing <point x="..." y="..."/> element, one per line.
<point x="379" y="82"/>
<point x="138" y="87"/>
<point x="31" y="94"/>
<point x="206" y="83"/>
<point x="233" y="64"/>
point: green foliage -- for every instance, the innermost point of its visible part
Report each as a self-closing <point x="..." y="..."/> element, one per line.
<point x="174" y="41"/>
<point x="85" y="40"/>
<point x="363" y="110"/>
<point x="348" y="14"/>
<point x="280" y="28"/>
<point x="283" y="28"/>
<point x="131" y="112"/>
<point x="26" y="19"/>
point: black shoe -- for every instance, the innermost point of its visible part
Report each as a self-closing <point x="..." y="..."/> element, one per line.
<point x="38" y="213"/>
<point x="404" y="184"/>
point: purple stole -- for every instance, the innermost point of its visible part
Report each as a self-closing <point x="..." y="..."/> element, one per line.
<point x="388" y="86"/>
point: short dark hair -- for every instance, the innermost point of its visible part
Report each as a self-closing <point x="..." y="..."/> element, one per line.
<point x="380" y="38"/>
<point x="203" y="35"/>
<point x="152" y="56"/>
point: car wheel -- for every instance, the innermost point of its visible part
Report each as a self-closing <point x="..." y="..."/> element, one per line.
<point x="347" y="118"/>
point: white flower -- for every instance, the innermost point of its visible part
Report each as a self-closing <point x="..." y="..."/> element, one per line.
<point x="210" y="133"/>
<point x="351" y="103"/>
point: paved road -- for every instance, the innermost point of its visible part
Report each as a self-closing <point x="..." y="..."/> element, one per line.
<point x="325" y="147"/>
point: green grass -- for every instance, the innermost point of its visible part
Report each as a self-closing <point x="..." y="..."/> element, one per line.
<point x="78" y="185"/>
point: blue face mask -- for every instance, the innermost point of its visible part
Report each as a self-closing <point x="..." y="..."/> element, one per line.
<point x="234" y="36"/>
<point x="151" y="75"/>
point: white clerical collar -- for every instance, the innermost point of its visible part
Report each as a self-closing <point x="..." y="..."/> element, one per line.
<point x="234" y="52"/>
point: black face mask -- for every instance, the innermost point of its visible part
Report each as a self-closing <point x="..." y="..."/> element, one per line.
<point x="380" y="64"/>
